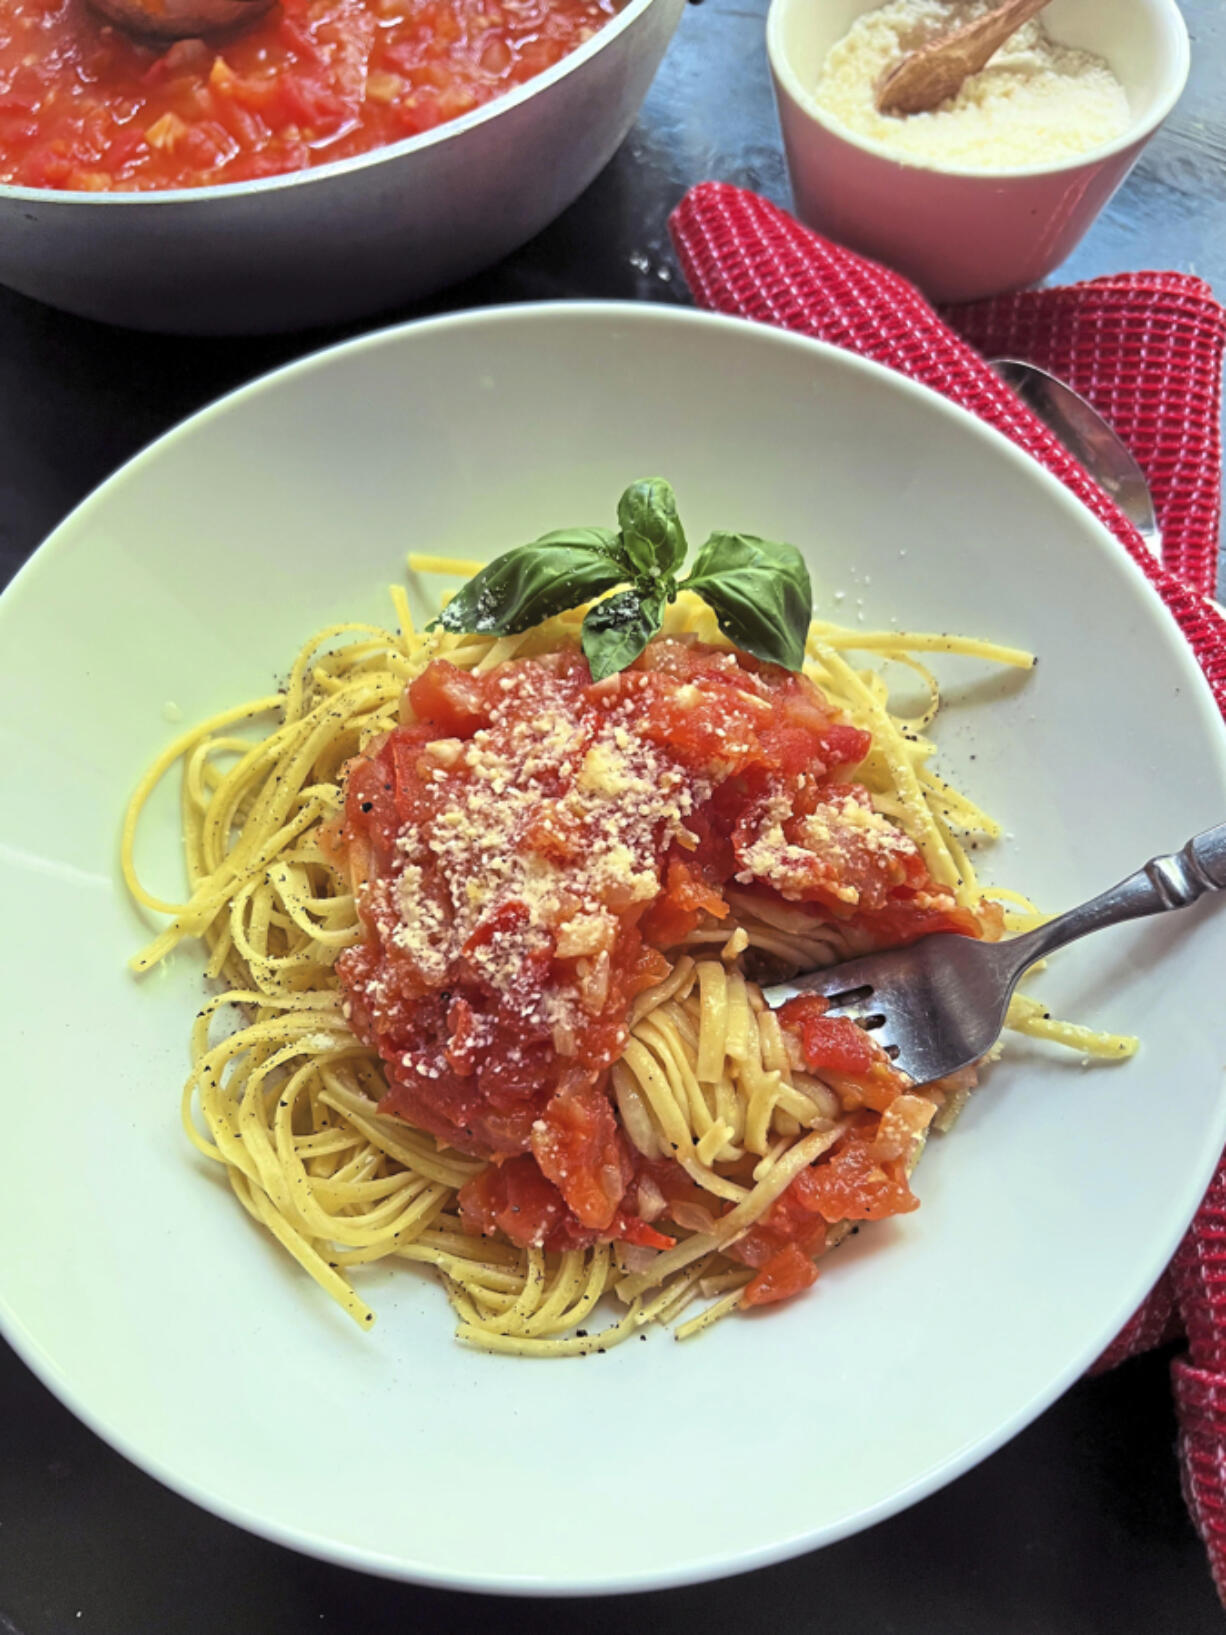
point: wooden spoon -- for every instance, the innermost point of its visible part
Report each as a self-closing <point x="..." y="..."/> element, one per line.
<point x="179" y="19"/>
<point x="931" y="75"/>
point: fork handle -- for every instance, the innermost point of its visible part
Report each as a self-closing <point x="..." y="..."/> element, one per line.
<point x="1164" y="883"/>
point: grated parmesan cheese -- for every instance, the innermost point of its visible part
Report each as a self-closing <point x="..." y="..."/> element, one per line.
<point x="831" y="837"/>
<point x="470" y="888"/>
<point x="1036" y="102"/>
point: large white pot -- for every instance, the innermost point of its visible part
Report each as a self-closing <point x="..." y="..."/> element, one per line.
<point x="348" y="238"/>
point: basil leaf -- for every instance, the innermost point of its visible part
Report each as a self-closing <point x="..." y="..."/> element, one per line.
<point x="606" y="541"/>
<point x="617" y="630"/>
<point x="528" y="584"/>
<point x="651" y="531"/>
<point x="760" y="593"/>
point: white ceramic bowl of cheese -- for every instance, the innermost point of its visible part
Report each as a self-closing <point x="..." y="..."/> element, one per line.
<point x="963" y="234"/>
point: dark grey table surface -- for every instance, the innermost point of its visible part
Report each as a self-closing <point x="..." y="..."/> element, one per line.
<point x="1075" y="1528"/>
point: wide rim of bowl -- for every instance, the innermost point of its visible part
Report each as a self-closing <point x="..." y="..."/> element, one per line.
<point x="1139" y="130"/>
<point x="1161" y="627"/>
<point x="65" y="198"/>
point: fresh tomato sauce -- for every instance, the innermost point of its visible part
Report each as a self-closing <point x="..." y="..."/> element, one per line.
<point x="523" y="849"/>
<point x="85" y="107"/>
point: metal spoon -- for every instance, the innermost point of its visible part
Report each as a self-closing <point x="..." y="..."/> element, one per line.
<point x="1091" y="442"/>
<point x="1089" y="439"/>
<point x="934" y="72"/>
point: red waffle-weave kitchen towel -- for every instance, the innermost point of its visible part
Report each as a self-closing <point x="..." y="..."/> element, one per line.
<point x="1146" y="349"/>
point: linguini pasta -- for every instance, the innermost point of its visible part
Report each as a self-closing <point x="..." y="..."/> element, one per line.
<point x="286" y="1098"/>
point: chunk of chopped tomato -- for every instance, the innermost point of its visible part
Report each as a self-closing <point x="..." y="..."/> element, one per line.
<point x="904" y="922"/>
<point x="686" y="898"/>
<point x="791" y="1221"/>
<point x="463" y="1038"/>
<point x="787" y="1273"/>
<point x="630" y="1229"/>
<point x="852" y="1185"/>
<point x="843" y="746"/>
<point x="454" y="701"/>
<point x="580" y="1149"/>
<point x="515" y="1199"/>
<point x="830" y="1042"/>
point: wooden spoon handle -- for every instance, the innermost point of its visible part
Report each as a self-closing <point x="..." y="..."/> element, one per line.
<point x="976" y="43"/>
<point x="935" y="72"/>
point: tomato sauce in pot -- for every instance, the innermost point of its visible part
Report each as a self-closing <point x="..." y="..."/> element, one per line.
<point x="83" y="107"/>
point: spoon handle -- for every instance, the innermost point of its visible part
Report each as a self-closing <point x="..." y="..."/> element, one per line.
<point x="978" y="42"/>
<point x="934" y="72"/>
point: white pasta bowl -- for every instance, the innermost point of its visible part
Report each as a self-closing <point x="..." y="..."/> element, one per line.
<point x="348" y="238"/>
<point x="135" y="1286"/>
<point x="962" y="234"/>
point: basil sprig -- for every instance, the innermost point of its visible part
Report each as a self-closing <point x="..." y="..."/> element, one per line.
<point x="758" y="589"/>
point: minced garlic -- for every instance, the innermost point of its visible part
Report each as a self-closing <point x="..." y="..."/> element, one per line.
<point x="1037" y="102"/>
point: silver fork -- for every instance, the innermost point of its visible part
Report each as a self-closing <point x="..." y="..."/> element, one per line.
<point x="940" y="1004"/>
